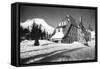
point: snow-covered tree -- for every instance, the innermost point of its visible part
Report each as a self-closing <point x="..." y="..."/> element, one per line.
<point x="37" y="28"/>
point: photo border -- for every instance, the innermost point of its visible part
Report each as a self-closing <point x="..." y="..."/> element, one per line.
<point x="19" y="4"/>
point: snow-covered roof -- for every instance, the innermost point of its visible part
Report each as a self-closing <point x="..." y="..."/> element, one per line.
<point x="58" y="35"/>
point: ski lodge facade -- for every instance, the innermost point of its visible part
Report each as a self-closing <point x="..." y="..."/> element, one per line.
<point x="69" y="31"/>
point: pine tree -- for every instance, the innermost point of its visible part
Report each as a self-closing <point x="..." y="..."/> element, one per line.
<point x="32" y="34"/>
<point x="35" y="35"/>
<point x="44" y="34"/>
<point x="39" y="32"/>
<point x="24" y="33"/>
<point x="36" y="43"/>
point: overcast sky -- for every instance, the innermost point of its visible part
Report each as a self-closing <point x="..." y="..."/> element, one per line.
<point x="53" y="15"/>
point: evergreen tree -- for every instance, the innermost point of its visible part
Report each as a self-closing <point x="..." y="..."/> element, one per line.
<point x="40" y="32"/>
<point x="44" y="34"/>
<point x="23" y="33"/>
<point x="32" y="34"/>
<point x="36" y="43"/>
<point x="47" y="35"/>
<point x="36" y="33"/>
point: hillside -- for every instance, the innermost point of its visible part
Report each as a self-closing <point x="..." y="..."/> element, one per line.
<point x="50" y="52"/>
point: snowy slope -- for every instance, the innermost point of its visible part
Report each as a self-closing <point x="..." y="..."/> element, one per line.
<point x="55" y="51"/>
<point x="27" y="48"/>
<point x="37" y="21"/>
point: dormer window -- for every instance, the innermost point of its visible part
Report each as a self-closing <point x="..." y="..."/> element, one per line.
<point x="68" y="19"/>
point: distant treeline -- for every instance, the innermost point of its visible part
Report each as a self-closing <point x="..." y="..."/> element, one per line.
<point x="35" y="34"/>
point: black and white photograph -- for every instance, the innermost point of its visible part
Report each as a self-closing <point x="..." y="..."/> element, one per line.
<point x="56" y="34"/>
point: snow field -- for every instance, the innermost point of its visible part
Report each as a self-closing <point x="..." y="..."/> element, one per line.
<point x="28" y="51"/>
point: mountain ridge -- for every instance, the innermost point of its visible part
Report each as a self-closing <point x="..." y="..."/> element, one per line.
<point x="28" y="24"/>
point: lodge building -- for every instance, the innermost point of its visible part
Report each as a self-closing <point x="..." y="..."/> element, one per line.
<point x="69" y="31"/>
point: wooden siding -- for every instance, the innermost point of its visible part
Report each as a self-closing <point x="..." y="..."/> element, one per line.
<point x="71" y="35"/>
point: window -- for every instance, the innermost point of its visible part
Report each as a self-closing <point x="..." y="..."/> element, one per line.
<point x="59" y="30"/>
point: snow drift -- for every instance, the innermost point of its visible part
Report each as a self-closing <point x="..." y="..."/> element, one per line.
<point x="27" y="48"/>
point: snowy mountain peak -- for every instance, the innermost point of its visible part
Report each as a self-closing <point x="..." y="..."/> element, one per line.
<point x="38" y="22"/>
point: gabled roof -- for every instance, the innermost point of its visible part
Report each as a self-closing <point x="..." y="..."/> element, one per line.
<point x="72" y="21"/>
<point x="66" y="24"/>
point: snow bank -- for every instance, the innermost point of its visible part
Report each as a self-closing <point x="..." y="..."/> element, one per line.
<point x="93" y="35"/>
<point x="28" y="45"/>
<point x="28" y="51"/>
<point x="91" y="43"/>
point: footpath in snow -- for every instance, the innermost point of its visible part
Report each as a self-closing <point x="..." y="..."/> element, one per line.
<point x="54" y="51"/>
<point x="28" y="49"/>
